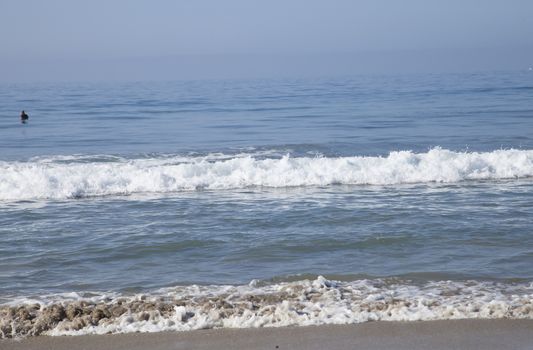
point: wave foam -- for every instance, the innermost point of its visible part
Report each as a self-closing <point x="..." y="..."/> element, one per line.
<point x="69" y="178"/>
<point x="299" y="303"/>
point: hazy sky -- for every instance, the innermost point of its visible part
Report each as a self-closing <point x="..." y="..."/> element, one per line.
<point x="142" y="39"/>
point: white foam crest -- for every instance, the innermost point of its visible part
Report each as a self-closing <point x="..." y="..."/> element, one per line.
<point x="51" y="179"/>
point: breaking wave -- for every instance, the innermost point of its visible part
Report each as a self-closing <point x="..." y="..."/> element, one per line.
<point x="298" y="303"/>
<point x="77" y="177"/>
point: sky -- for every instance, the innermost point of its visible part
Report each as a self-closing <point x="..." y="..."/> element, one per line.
<point x="179" y="39"/>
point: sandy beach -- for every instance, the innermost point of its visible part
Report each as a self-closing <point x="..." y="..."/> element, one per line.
<point x="457" y="334"/>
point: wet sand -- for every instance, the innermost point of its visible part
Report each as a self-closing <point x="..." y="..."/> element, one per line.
<point x="457" y="334"/>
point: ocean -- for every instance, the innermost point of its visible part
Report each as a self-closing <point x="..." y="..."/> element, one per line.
<point x="150" y="206"/>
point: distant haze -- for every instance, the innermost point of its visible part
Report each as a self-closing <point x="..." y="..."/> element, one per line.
<point x="173" y="39"/>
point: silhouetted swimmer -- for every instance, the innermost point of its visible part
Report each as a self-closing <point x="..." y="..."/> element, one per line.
<point x="23" y="117"/>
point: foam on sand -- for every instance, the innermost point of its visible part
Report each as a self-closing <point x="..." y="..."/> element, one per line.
<point x="300" y="303"/>
<point x="77" y="177"/>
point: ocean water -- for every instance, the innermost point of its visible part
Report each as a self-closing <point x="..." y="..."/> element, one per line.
<point x="155" y="206"/>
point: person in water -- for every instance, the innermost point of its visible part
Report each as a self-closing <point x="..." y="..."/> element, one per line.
<point x="24" y="117"/>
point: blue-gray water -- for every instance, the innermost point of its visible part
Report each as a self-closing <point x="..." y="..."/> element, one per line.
<point x="131" y="187"/>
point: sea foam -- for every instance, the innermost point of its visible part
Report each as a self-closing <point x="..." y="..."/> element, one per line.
<point x="299" y="303"/>
<point x="77" y="177"/>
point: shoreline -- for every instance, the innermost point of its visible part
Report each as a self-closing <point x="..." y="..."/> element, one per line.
<point x="301" y="303"/>
<point x="442" y="334"/>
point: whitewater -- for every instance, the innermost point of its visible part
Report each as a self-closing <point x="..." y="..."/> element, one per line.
<point x="298" y="303"/>
<point x="76" y="177"/>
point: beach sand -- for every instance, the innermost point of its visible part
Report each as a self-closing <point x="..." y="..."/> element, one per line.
<point x="434" y="335"/>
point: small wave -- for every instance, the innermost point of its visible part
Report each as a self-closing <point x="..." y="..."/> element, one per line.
<point x="82" y="176"/>
<point x="299" y="303"/>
